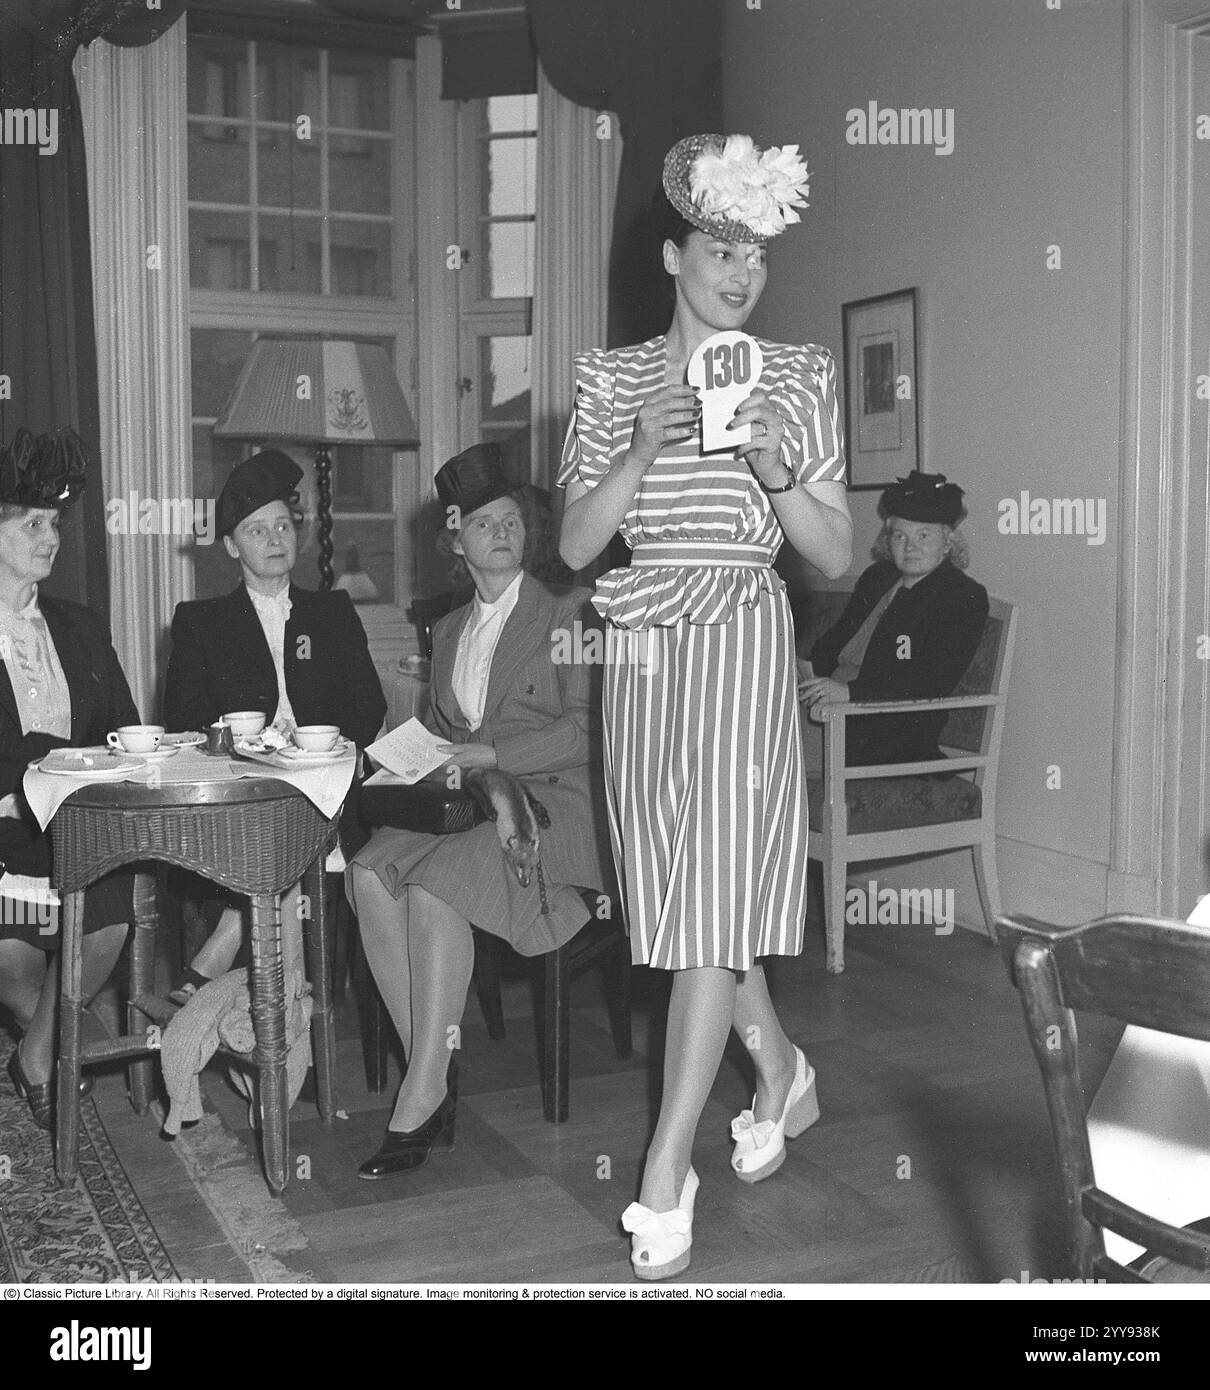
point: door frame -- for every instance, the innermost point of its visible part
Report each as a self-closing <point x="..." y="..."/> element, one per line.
<point x="1161" y="695"/>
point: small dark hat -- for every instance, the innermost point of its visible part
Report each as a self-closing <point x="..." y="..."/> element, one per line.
<point x="473" y="478"/>
<point x="265" y="477"/>
<point x="923" y="497"/>
<point x="43" y="471"/>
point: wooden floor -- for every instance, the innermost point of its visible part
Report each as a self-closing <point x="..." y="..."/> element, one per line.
<point x="931" y="1162"/>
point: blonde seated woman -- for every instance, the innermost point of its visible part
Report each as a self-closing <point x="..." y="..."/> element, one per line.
<point x="909" y="632"/>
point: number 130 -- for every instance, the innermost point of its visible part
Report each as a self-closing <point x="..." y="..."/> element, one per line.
<point x="727" y="363"/>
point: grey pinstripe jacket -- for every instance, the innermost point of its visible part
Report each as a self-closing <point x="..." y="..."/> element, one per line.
<point x="543" y="718"/>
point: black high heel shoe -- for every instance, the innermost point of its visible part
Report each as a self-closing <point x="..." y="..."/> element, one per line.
<point x="37" y="1097"/>
<point x="400" y="1152"/>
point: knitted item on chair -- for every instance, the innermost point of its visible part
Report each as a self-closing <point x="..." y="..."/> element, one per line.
<point x="221" y="1013"/>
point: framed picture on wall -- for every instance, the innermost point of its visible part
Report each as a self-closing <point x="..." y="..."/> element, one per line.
<point x="881" y="389"/>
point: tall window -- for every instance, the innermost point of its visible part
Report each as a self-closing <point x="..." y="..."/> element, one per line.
<point x="498" y="147"/>
<point x="301" y="215"/>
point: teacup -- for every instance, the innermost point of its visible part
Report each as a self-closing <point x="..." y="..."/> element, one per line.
<point x="316" y="738"/>
<point x="245" y="722"/>
<point x="136" y="738"/>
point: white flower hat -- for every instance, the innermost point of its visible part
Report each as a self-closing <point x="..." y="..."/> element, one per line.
<point x="727" y="186"/>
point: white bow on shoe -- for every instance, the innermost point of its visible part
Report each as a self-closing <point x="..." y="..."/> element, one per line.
<point x="660" y="1240"/>
<point x="760" y="1146"/>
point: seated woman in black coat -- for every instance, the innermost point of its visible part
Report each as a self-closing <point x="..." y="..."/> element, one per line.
<point x="60" y="685"/>
<point x="910" y="630"/>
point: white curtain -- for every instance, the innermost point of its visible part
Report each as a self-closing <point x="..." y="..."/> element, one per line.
<point x="133" y="104"/>
<point x="579" y="153"/>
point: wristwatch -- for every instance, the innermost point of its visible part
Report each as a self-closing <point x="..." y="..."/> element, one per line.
<point x="773" y="491"/>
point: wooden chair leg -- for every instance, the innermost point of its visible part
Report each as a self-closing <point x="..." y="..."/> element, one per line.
<point x="140" y="1073"/>
<point x="267" y="981"/>
<point x="342" y="936"/>
<point x="833" y="909"/>
<point x="317" y="942"/>
<point x="556" y="1036"/>
<point x="620" y="1011"/>
<point x="67" y="1110"/>
<point x="987" y="879"/>
<point x="487" y="984"/>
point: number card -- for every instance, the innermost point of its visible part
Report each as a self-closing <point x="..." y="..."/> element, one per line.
<point x="726" y="369"/>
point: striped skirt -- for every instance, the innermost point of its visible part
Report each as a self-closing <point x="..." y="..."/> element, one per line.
<point x="707" y="798"/>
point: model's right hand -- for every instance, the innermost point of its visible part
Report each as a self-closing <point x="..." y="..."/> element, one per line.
<point x="668" y="416"/>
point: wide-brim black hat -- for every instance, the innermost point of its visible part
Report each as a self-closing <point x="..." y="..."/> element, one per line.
<point x="44" y="470"/>
<point x="923" y="497"/>
<point x="472" y="479"/>
<point x="266" y="477"/>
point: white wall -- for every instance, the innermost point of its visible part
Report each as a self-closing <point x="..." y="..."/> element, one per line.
<point x="1020" y="364"/>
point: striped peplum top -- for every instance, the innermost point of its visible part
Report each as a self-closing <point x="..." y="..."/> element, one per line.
<point x="709" y="507"/>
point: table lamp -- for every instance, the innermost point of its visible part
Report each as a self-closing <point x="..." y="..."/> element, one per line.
<point x="319" y="392"/>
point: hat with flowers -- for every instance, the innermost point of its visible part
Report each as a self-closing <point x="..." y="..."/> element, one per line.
<point x="727" y="186"/>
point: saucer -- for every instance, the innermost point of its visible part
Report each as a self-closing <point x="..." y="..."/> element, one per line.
<point x="87" y="762"/>
<point x="158" y="755"/>
<point x="342" y="748"/>
<point x="189" y="740"/>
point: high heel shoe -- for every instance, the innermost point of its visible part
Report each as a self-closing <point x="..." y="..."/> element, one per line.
<point x="36" y="1095"/>
<point x="401" y="1151"/>
<point x="760" y="1149"/>
<point x="660" y="1241"/>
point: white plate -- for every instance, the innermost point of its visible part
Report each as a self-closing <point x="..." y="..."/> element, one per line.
<point x="189" y="740"/>
<point x="300" y="755"/>
<point x="158" y="755"/>
<point x="253" y="744"/>
<point x="67" y="762"/>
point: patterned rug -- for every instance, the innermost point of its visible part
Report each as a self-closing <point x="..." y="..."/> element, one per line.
<point x="93" y="1232"/>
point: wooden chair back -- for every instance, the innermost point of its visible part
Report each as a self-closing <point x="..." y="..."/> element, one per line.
<point x="1146" y="971"/>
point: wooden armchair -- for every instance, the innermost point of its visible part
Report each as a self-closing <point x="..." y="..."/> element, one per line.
<point x="893" y="810"/>
<point x="1142" y="970"/>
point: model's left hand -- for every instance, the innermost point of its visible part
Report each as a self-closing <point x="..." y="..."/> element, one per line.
<point x="466" y="756"/>
<point x="763" y="455"/>
<point x="822" y="690"/>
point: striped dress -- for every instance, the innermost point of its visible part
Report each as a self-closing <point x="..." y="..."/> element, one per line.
<point x="703" y="754"/>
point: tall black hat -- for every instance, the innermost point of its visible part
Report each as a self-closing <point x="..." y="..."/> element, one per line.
<point x="266" y="477"/>
<point x="473" y="478"/>
<point x="923" y="497"/>
<point x="44" y="470"/>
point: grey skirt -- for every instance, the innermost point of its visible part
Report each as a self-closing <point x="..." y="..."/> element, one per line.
<point x="468" y="872"/>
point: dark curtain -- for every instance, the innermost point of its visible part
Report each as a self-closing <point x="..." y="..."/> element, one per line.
<point x="659" y="66"/>
<point x="47" y="343"/>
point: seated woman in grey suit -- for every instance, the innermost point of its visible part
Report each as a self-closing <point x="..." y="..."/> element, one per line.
<point x="503" y="699"/>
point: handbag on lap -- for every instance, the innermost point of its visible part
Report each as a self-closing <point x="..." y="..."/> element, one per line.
<point x="428" y="807"/>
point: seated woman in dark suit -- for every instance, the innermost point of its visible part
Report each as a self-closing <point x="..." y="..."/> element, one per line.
<point x="910" y="630"/>
<point x="297" y="656"/>
<point x="60" y="686"/>
<point x="503" y="699"/>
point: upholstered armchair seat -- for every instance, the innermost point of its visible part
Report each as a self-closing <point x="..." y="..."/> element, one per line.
<point x="899" y="803"/>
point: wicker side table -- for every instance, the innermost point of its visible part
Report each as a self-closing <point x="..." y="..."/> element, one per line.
<point x="257" y="836"/>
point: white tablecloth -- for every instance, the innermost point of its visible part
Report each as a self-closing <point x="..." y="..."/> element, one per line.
<point x="325" y="785"/>
<point x="1149" y="1126"/>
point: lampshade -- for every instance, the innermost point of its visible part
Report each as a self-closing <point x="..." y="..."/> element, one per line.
<point x="315" y="392"/>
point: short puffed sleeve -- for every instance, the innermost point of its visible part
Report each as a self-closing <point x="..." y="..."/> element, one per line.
<point x="587" y="448"/>
<point x="805" y="391"/>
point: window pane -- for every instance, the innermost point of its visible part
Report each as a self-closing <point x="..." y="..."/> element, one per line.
<point x="362" y="480"/>
<point x="504" y="371"/>
<point x="289" y="254"/>
<point x="216" y="354"/>
<point x="364" y="559"/>
<point x="359" y="91"/>
<point x="287" y="83"/>
<point x="511" y="176"/>
<point x="219" y="251"/>
<point x="513" y="113"/>
<point x="509" y="269"/>
<point x="218" y="163"/>
<point x="360" y="175"/>
<point x="218" y="77"/>
<point x="287" y="171"/>
<point x="361" y="257"/>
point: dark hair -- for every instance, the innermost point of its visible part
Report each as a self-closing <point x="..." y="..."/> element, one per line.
<point x="667" y="222"/>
